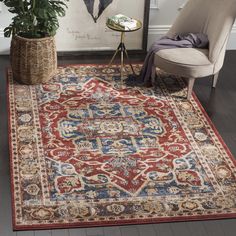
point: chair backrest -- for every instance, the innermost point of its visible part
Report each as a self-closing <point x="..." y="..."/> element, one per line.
<point x="212" y="17"/>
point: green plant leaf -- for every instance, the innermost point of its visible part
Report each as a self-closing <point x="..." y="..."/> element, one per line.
<point x="34" y="18"/>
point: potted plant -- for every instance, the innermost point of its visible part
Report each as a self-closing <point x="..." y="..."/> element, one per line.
<point x="33" y="51"/>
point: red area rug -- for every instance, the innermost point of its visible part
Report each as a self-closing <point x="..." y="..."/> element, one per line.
<point x="86" y="150"/>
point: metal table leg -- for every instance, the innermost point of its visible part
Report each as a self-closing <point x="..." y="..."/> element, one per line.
<point x="122" y="50"/>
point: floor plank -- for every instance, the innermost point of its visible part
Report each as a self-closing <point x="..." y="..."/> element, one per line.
<point x="60" y="232"/>
<point x="5" y="215"/>
<point x="97" y="231"/>
<point x="26" y="233"/>
<point x="77" y="232"/>
<point x="179" y="229"/>
<point x="228" y="227"/>
<point x="43" y="233"/>
<point x="114" y="231"/>
<point x="130" y="230"/>
<point x="213" y="228"/>
<point x="163" y="229"/>
<point x="196" y="228"/>
<point x="147" y="230"/>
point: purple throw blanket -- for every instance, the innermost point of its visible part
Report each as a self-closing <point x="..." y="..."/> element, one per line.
<point x="189" y="40"/>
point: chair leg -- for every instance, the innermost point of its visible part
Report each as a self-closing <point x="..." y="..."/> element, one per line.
<point x="153" y="75"/>
<point x="215" y="79"/>
<point x="190" y="87"/>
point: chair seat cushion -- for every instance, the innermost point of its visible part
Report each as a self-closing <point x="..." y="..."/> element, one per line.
<point x="187" y="62"/>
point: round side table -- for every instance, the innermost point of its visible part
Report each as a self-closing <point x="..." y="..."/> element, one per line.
<point x="121" y="47"/>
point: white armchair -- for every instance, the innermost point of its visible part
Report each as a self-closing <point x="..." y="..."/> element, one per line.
<point x="214" y="18"/>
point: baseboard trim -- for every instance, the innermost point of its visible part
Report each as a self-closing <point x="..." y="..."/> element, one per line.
<point x="158" y="29"/>
<point x="163" y="29"/>
<point x="1" y="33"/>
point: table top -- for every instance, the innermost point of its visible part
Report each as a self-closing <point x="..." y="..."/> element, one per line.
<point x="138" y="26"/>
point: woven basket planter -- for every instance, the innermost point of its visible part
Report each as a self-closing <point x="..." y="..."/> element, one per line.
<point x="33" y="61"/>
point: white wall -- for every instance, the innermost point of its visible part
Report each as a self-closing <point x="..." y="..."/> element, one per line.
<point x="5" y="18"/>
<point x="162" y="14"/>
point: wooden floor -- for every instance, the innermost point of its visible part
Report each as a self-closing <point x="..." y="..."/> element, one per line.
<point x="220" y="105"/>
